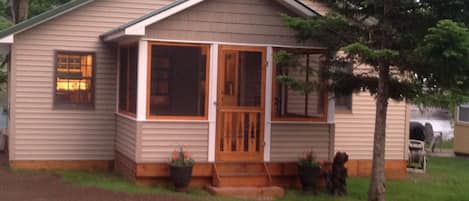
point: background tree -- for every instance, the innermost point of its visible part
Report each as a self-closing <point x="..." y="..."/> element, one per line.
<point x="16" y="11"/>
<point x="19" y="10"/>
<point x="449" y="100"/>
<point x="405" y="49"/>
<point x="37" y="7"/>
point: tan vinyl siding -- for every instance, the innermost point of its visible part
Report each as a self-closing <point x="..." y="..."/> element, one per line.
<point x="240" y="21"/>
<point x="126" y="135"/>
<point x="354" y="131"/>
<point x="461" y="138"/>
<point x="159" y="139"/>
<point x="11" y="103"/>
<point x="290" y="140"/>
<point x="39" y="131"/>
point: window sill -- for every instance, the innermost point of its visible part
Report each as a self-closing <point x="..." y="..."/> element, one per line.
<point x="175" y="121"/>
<point x="162" y="120"/>
<point x="127" y="116"/>
<point x="302" y="122"/>
<point x="343" y="111"/>
<point x="176" y="118"/>
<point x="299" y="119"/>
<point x="126" y="113"/>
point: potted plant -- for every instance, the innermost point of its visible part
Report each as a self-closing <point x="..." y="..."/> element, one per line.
<point x="309" y="170"/>
<point x="180" y="169"/>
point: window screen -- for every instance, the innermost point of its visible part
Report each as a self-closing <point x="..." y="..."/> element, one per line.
<point x="296" y="103"/>
<point x="128" y="73"/>
<point x="178" y="80"/>
<point x="344" y="102"/>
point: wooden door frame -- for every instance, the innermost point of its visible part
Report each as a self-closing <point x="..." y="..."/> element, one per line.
<point x="221" y="60"/>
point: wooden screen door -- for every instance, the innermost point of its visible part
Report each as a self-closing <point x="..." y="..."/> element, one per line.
<point x="240" y="108"/>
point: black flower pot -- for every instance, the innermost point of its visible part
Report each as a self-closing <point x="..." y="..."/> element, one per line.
<point x="181" y="177"/>
<point x="309" y="177"/>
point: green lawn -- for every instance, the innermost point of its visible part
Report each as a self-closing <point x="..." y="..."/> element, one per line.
<point x="448" y="144"/>
<point x="112" y="182"/>
<point x="447" y="180"/>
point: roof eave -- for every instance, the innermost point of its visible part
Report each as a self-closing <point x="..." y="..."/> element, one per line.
<point x="299" y="8"/>
<point x="130" y="28"/>
<point x="138" y="27"/>
<point x="7" y="39"/>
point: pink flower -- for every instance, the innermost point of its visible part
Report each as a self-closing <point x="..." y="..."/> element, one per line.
<point x="321" y="162"/>
<point x="186" y="155"/>
<point x="174" y="156"/>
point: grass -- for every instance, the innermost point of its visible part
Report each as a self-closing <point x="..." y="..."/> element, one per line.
<point x="448" y="144"/>
<point x="115" y="183"/>
<point x="447" y="180"/>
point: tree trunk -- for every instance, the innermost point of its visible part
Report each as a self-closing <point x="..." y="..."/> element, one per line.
<point x="23" y="10"/>
<point x="377" y="187"/>
<point x="11" y="4"/>
<point x="19" y="10"/>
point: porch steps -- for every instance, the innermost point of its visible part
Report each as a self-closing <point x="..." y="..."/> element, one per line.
<point x="244" y="180"/>
<point x="241" y="174"/>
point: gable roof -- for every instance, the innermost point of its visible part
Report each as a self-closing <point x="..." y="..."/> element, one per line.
<point x="6" y="36"/>
<point x="135" y="27"/>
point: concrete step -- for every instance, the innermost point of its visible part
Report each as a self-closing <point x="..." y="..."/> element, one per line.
<point x="244" y="180"/>
<point x="256" y="193"/>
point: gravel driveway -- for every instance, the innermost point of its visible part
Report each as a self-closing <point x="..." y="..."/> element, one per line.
<point x="40" y="186"/>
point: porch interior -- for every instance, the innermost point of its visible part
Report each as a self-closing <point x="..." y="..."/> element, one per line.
<point x="223" y="104"/>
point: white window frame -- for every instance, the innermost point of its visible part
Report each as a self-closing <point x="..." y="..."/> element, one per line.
<point x="466" y="105"/>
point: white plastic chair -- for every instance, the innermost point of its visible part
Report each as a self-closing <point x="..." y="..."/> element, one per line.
<point x="417" y="161"/>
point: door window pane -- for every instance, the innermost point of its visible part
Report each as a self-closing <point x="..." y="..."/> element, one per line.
<point x="242" y="78"/>
<point x="250" y="78"/>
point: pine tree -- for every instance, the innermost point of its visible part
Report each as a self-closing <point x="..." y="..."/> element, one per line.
<point x="410" y="49"/>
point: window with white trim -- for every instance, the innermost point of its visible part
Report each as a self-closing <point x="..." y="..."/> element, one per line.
<point x="463" y="113"/>
<point x="296" y="105"/>
<point x="178" y="85"/>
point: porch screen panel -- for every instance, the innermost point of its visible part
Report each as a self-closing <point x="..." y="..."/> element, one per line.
<point x="343" y="102"/>
<point x="128" y="73"/>
<point x="133" y="66"/>
<point x="178" y="81"/>
<point x="296" y="103"/>
<point x="123" y="75"/>
<point x="74" y="80"/>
